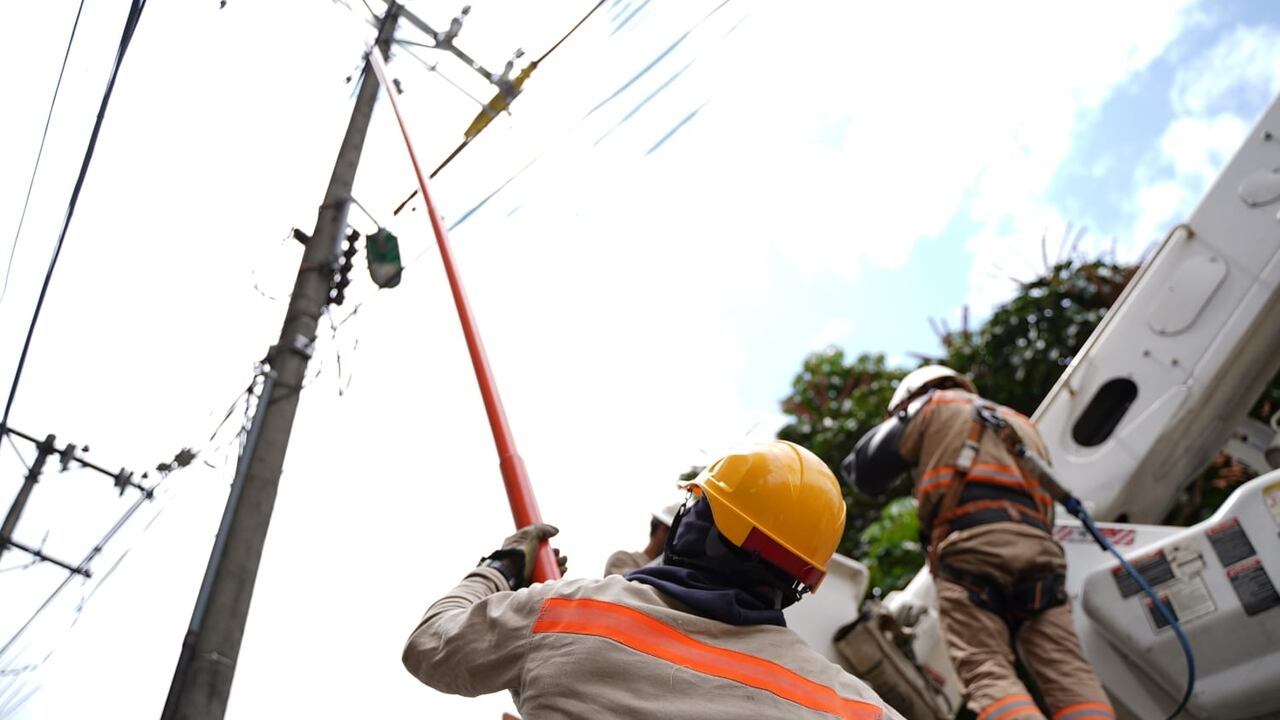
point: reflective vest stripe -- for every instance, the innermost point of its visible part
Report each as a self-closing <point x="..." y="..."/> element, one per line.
<point x="1001" y="471"/>
<point x="1009" y="707"/>
<point x="940" y="477"/>
<point x="1086" y="711"/>
<point x="935" y="479"/>
<point x="644" y="634"/>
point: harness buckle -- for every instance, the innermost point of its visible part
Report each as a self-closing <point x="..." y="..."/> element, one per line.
<point x="968" y="454"/>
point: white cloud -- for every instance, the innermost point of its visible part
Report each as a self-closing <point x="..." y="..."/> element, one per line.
<point x="1242" y="68"/>
<point x="1060" y="83"/>
<point x="834" y="331"/>
<point x="1198" y="147"/>
<point x="1158" y="205"/>
<point x="1247" y="60"/>
<point x="952" y="121"/>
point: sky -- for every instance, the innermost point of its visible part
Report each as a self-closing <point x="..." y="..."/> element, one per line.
<point x="688" y="198"/>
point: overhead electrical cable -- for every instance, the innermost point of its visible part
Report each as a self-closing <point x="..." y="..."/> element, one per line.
<point x="97" y="548"/>
<point x="40" y="153"/>
<point x="500" y="102"/>
<point x="405" y="45"/>
<point x="130" y="24"/>
<point x="210" y="448"/>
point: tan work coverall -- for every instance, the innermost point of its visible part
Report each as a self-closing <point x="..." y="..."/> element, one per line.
<point x="979" y="641"/>
<point x="624" y="561"/>
<point x="608" y="648"/>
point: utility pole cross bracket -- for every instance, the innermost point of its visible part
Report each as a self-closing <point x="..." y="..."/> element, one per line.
<point x="46" y="449"/>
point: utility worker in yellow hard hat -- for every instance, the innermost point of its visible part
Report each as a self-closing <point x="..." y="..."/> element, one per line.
<point x="624" y="561"/>
<point x="987" y="526"/>
<point x="699" y="636"/>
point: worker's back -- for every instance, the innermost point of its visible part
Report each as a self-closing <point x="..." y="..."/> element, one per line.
<point x="613" y="648"/>
<point x="933" y="443"/>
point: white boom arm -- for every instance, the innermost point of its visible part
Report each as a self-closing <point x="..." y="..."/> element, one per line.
<point x="1188" y="347"/>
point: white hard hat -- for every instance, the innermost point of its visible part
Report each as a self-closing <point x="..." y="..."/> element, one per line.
<point x="922" y="378"/>
<point x="667" y="515"/>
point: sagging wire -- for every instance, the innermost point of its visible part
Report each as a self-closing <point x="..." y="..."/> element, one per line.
<point x="367" y="214"/>
<point x="430" y="246"/>
<point x="40" y="153"/>
<point x="88" y="558"/>
<point x="571" y="132"/>
<point x="11" y="707"/>
<point x="35" y="560"/>
<point x="165" y="470"/>
<point x="337" y="353"/>
<point x="333" y="336"/>
<point x="131" y="24"/>
<point x="405" y="45"/>
<point x="18" y="451"/>
<point x="253" y="272"/>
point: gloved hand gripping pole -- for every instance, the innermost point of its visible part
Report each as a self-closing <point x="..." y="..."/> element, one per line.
<point x="524" y="507"/>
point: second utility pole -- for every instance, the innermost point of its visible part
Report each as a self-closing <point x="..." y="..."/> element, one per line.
<point x="202" y="680"/>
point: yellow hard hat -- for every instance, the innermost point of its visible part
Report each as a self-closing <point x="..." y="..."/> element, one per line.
<point x="779" y="500"/>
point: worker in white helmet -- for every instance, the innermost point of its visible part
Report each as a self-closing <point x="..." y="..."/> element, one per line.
<point x="624" y="561"/>
<point x="699" y="636"/>
<point x="987" y="526"/>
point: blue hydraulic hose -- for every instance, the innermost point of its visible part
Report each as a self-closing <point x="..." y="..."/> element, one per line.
<point x="1073" y="506"/>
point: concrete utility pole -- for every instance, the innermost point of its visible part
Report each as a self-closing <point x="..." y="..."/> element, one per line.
<point x="202" y="680"/>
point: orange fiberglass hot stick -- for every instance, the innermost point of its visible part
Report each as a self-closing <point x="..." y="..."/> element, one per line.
<point x="524" y="508"/>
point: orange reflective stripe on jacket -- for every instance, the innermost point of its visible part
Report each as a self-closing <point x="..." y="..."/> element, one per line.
<point x="1003" y="475"/>
<point x="1011" y="706"/>
<point x="935" y="479"/>
<point x="1086" y="711"/>
<point x="644" y="634"/>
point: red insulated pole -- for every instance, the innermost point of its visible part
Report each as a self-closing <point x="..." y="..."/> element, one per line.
<point x="524" y="507"/>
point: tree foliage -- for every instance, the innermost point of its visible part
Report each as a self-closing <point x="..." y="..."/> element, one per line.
<point x="892" y="541"/>
<point x="1018" y="354"/>
<point x="1014" y="357"/>
<point x="833" y="402"/>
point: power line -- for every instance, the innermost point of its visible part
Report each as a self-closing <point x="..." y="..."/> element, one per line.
<point x="40" y="153"/>
<point x="131" y="24"/>
<point x="97" y="548"/>
<point x="21" y="459"/>
<point x="367" y="214"/>
<point x="404" y="45"/>
<point x="14" y="670"/>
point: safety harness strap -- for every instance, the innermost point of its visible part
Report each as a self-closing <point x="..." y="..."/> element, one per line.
<point x="1013" y="442"/>
<point x="964" y="463"/>
<point x="950" y="514"/>
<point x="1015" y="605"/>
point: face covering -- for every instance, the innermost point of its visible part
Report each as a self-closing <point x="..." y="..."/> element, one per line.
<point x="705" y="572"/>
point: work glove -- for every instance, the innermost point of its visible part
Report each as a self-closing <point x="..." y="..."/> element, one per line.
<point x="515" y="560"/>
<point x="905" y="611"/>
